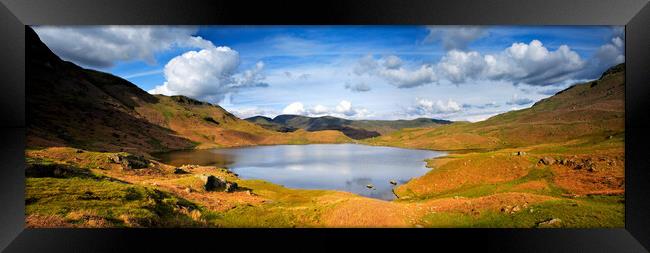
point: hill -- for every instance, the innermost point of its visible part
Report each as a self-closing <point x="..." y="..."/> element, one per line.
<point x="71" y="106"/>
<point x="355" y="129"/>
<point x="586" y="113"/>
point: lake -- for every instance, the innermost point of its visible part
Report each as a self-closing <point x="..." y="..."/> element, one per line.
<point x="345" y="167"/>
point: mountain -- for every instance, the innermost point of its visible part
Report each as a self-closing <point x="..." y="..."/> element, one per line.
<point x="355" y="129"/>
<point x="68" y="105"/>
<point x="584" y="113"/>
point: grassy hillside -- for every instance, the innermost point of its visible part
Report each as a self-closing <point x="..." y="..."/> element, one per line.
<point x="71" y="106"/>
<point x="586" y="113"/>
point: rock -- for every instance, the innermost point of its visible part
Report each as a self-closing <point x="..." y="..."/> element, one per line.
<point x="418" y="226"/>
<point x="591" y="168"/>
<point x="249" y="193"/>
<point x="520" y="153"/>
<point x="231" y="187"/>
<point x="370" y="186"/>
<point x="114" y="158"/>
<point x="180" y="171"/>
<point x="188" y="190"/>
<point x="393" y="182"/>
<point x="129" y="161"/>
<point x="79" y="151"/>
<point x="551" y="222"/>
<point x="547" y="161"/>
<point x="212" y="183"/>
<point x="515" y="209"/>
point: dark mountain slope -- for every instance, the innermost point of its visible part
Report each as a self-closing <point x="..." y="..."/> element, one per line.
<point x="356" y="129"/>
<point x="71" y="106"/>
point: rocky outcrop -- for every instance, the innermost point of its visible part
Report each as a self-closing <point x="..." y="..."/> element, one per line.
<point x="129" y="161"/>
<point x="212" y="183"/>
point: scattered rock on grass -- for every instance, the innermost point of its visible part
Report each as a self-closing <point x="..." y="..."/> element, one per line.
<point x="129" y="161"/>
<point x="547" y="160"/>
<point x="551" y="222"/>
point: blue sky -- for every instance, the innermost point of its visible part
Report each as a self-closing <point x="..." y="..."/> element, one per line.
<point x="358" y="72"/>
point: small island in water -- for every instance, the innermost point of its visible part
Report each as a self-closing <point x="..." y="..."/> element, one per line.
<point x="531" y="136"/>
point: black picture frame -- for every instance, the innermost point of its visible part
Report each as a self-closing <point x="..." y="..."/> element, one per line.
<point x="634" y="14"/>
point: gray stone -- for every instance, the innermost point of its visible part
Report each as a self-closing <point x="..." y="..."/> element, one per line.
<point x="547" y="161"/>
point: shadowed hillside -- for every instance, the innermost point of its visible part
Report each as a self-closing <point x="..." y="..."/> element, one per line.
<point x="71" y="106"/>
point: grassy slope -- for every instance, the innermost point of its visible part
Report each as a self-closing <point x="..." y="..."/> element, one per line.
<point x="212" y="126"/>
<point x="585" y="121"/>
<point x="589" y="112"/>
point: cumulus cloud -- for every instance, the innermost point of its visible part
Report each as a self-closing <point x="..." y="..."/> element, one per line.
<point x="391" y="70"/>
<point x="530" y="63"/>
<point x="358" y="87"/>
<point x="243" y="113"/>
<point x="208" y="74"/>
<point x="295" y="108"/>
<point x="607" y="56"/>
<point x="455" y="37"/>
<point x="425" y="107"/>
<point x="343" y="109"/>
<point x="102" y="46"/>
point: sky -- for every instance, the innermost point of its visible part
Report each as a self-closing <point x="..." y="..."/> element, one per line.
<point x="460" y="73"/>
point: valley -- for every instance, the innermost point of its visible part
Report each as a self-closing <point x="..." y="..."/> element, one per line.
<point x="93" y="137"/>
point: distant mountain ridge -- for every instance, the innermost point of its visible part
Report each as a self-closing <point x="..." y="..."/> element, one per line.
<point x="355" y="129"/>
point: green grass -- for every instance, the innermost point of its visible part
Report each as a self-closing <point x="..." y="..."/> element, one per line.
<point x="118" y="204"/>
<point x="583" y="213"/>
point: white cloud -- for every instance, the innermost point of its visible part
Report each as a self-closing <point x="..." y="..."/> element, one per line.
<point x="524" y="63"/>
<point x="606" y="56"/>
<point x="208" y="74"/>
<point x="455" y="37"/>
<point x="425" y="107"/>
<point x="391" y="70"/>
<point x="319" y="110"/>
<point x="102" y="46"/>
<point x="295" y="108"/>
<point x="243" y="113"/>
<point x="392" y="62"/>
<point x="343" y="109"/>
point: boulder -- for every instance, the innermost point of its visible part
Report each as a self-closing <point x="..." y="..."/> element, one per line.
<point x="129" y="161"/>
<point x="393" y="182"/>
<point x="180" y="171"/>
<point x="212" y="183"/>
<point x="551" y="222"/>
<point x="547" y="160"/>
<point x="231" y="187"/>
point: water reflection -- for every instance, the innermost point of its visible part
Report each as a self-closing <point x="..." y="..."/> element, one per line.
<point x="347" y="167"/>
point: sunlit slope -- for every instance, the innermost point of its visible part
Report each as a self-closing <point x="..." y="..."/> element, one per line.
<point x="212" y="126"/>
<point x="587" y="112"/>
